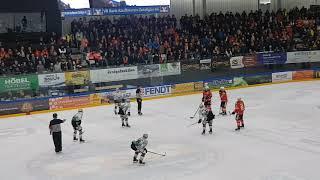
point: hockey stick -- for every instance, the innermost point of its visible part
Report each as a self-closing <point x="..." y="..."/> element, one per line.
<point x="196" y="112"/>
<point x="157" y="153"/>
<point x="192" y="124"/>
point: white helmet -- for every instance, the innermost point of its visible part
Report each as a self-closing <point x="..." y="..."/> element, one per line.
<point x="222" y="88"/>
<point x="201" y="105"/>
<point x="239" y="99"/>
<point x="145" y="136"/>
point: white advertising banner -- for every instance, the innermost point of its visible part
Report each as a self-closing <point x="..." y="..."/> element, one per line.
<point x="156" y="91"/>
<point x="236" y="62"/>
<point x="56" y="80"/>
<point x="169" y="69"/>
<point x="114" y="74"/>
<point x="303" y="56"/>
<point x="282" y="76"/>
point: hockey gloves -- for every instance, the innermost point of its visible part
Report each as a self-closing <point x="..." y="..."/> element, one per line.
<point x="200" y="120"/>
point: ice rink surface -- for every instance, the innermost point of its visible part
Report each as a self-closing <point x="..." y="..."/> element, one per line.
<point x="281" y="141"/>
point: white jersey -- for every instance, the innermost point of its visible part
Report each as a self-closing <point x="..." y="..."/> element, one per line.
<point x="203" y="113"/>
<point x="117" y="96"/>
<point x="77" y="117"/>
<point x="141" y="143"/>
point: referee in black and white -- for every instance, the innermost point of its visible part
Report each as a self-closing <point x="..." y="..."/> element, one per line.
<point x="139" y="99"/>
<point x="55" y="131"/>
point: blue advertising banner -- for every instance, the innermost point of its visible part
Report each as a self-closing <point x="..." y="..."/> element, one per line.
<point x="76" y="12"/>
<point x="127" y="10"/>
<point x="272" y="58"/>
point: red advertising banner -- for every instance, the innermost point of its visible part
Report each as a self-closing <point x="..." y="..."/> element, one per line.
<point x="74" y="101"/>
<point x="301" y="75"/>
<point x="250" y="61"/>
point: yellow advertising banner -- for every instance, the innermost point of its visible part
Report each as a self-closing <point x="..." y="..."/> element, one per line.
<point x="198" y="86"/>
<point x="185" y="87"/>
<point x="95" y="99"/>
<point x="77" y="78"/>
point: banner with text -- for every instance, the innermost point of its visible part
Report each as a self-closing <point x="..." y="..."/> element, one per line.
<point x="156" y="91"/>
<point x="73" y="101"/>
<point x="217" y="83"/>
<point x="15" y="83"/>
<point x="282" y="76"/>
<point x="205" y="64"/>
<point x="236" y="62"/>
<point x="148" y="71"/>
<point x="303" y="56"/>
<point x="250" y="61"/>
<point x="114" y="74"/>
<point x="16" y="107"/>
<point x="169" y="69"/>
<point x="272" y="58"/>
<point x="184" y="87"/>
<point x="77" y="78"/>
<point x="302" y="75"/>
<point x="52" y="80"/>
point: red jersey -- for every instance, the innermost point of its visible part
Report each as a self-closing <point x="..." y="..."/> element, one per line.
<point x="239" y="107"/>
<point x="223" y="96"/>
<point x="207" y="95"/>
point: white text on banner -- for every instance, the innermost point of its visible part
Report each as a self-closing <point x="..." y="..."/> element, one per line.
<point x="114" y="74"/>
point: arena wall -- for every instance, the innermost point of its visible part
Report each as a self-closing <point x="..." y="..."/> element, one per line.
<point x="85" y="100"/>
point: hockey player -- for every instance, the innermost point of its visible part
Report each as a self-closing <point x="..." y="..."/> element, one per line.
<point x="139" y="146"/>
<point x="55" y="131"/>
<point x="239" y="110"/>
<point x="206" y="117"/>
<point x="76" y="124"/>
<point x="129" y="106"/>
<point x="224" y="101"/>
<point x="206" y="98"/>
<point x="117" y="96"/>
<point x="123" y="112"/>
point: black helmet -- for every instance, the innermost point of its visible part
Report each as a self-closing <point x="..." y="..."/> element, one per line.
<point x="55" y="115"/>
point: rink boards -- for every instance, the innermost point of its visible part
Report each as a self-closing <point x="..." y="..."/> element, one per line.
<point x="45" y="105"/>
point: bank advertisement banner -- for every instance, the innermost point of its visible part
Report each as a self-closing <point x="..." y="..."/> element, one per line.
<point x="16" y="107"/>
<point x="236" y="62"/>
<point x="15" y="83"/>
<point x="169" y="69"/>
<point x="303" y="56"/>
<point x="156" y="91"/>
<point x="282" y="76"/>
<point x="184" y="87"/>
<point x="272" y="58"/>
<point x="302" y="75"/>
<point x="217" y="83"/>
<point x="77" y="78"/>
<point x="113" y="74"/>
<point x="52" y="80"/>
<point x="148" y="71"/>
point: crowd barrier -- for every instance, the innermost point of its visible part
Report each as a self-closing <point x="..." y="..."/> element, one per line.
<point x="104" y="98"/>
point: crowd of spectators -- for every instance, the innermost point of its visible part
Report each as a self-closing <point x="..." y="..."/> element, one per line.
<point x="134" y="40"/>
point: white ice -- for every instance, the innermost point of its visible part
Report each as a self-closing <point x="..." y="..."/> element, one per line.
<point x="281" y="141"/>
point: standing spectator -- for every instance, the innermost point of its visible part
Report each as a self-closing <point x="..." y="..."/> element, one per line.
<point x="55" y="131"/>
<point x="40" y="67"/>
